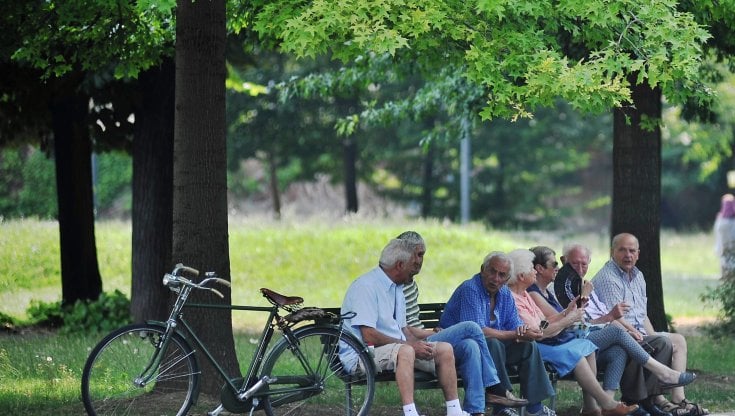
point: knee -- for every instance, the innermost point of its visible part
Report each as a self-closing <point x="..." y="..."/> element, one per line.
<point x="444" y="354"/>
<point x="471" y="329"/>
<point x="678" y="342"/>
<point x="466" y="350"/>
<point x="617" y="331"/>
<point x="406" y="355"/>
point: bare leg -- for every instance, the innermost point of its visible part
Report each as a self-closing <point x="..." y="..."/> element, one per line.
<point x="678" y="363"/>
<point x="445" y="370"/>
<point x="404" y="373"/>
<point x="587" y="379"/>
<point x="664" y="373"/>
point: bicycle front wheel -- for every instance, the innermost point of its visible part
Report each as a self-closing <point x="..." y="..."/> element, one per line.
<point x="127" y="373"/>
<point x="312" y="379"/>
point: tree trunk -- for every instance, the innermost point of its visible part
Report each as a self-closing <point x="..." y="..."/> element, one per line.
<point x="637" y="188"/>
<point x="200" y="171"/>
<point x="153" y="148"/>
<point x="350" y="169"/>
<point x="273" y="182"/>
<point x="80" y="275"/>
<point x="427" y="190"/>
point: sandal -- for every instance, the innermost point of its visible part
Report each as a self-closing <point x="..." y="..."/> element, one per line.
<point x="692" y="409"/>
<point x="674" y="409"/>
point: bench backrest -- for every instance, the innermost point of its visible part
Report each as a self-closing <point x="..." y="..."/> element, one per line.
<point x="429" y="313"/>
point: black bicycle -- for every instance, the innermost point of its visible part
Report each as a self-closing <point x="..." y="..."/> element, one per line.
<point x="153" y="368"/>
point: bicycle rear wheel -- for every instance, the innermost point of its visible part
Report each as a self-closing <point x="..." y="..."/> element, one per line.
<point x="311" y="378"/>
<point x="110" y="380"/>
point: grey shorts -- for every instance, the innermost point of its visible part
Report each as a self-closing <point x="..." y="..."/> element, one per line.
<point x="385" y="358"/>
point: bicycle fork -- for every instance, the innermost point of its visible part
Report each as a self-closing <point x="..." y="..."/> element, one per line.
<point x="247" y="394"/>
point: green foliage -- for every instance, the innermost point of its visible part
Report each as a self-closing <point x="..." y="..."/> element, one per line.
<point x="38" y="195"/>
<point x="114" y="176"/>
<point x="724" y="296"/>
<point x="524" y="54"/>
<point x="59" y="37"/>
<point x="28" y="184"/>
<point x="11" y="165"/>
<point x="7" y="321"/>
<point x="108" y="312"/>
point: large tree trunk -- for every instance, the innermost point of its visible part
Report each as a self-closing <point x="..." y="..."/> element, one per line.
<point x="637" y="188"/>
<point x="153" y="148"/>
<point x="80" y="276"/>
<point x="200" y="170"/>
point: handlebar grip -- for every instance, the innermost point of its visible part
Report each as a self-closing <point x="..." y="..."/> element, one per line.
<point x="188" y="269"/>
<point x="222" y="282"/>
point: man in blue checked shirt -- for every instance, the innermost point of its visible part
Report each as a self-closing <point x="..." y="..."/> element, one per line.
<point x="486" y="300"/>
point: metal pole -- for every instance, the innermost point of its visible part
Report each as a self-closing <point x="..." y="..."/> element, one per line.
<point x="464" y="172"/>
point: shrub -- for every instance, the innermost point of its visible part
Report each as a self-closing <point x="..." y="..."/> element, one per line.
<point x="724" y="294"/>
<point x="108" y="312"/>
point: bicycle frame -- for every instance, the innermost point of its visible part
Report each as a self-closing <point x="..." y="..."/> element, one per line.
<point x="265" y="338"/>
<point x="242" y="392"/>
<point x="280" y="372"/>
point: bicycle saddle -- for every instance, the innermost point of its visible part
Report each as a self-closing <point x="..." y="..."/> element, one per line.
<point x="280" y="300"/>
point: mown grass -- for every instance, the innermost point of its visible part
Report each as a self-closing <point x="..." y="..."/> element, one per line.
<point x="318" y="260"/>
<point x="40" y="373"/>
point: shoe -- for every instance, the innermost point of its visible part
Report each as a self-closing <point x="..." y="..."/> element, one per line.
<point x="508" y="401"/>
<point x="684" y="379"/>
<point x="640" y="411"/>
<point x="685" y="408"/>
<point x="693" y="408"/>
<point x="621" y="409"/>
<point x="545" y="411"/>
<point x="655" y="410"/>
<point x="507" y="411"/>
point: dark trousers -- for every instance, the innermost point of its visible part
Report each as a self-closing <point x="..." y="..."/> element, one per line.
<point x="535" y="384"/>
<point x="638" y="383"/>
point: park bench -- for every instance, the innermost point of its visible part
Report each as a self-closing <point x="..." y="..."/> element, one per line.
<point x="429" y="314"/>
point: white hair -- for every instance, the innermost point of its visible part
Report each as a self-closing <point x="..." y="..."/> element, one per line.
<point x="522" y="260"/>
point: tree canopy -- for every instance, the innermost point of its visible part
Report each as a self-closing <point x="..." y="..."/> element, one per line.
<point x="525" y="54"/>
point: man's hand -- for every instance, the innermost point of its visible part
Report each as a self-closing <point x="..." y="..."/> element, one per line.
<point x="636" y="335"/>
<point x="573" y="312"/>
<point x="423" y="349"/>
<point x="587" y="289"/>
<point x="619" y="310"/>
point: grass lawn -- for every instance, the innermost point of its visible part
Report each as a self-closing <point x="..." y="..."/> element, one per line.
<point x="39" y="373"/>
<point x="318" y="260"/>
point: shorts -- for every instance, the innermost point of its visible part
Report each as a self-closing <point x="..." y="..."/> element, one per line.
<point x="385" y="358"/>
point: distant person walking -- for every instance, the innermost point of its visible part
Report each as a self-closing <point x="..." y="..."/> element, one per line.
<point x="724" y="231"/>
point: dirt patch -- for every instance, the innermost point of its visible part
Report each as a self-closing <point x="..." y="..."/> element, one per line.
<point x="692" y="326"/>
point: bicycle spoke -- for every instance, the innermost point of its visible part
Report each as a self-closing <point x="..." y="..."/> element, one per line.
<point x="332" y="391"/>
<point x="109" y="384"/>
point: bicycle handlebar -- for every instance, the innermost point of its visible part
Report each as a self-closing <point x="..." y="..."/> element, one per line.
<point x="173" y="280"/>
